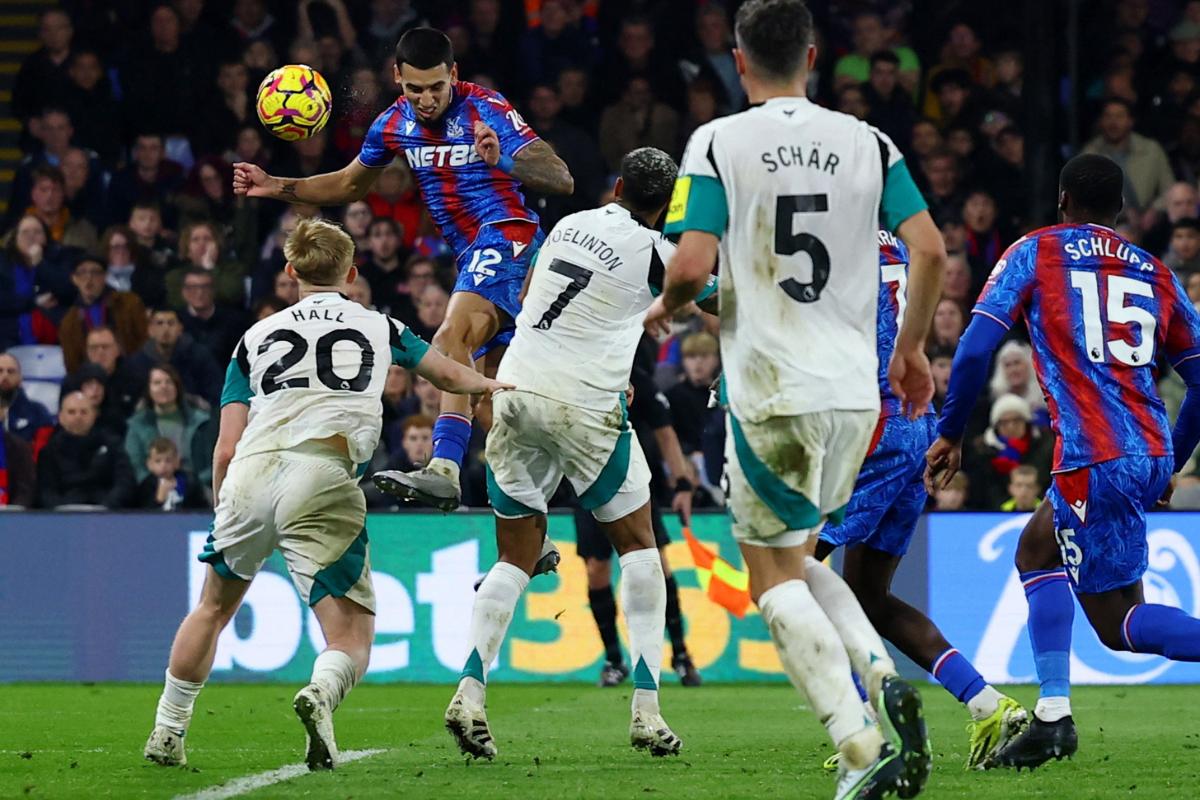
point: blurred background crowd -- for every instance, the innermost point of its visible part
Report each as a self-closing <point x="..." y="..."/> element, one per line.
<point x="128" y="271"/>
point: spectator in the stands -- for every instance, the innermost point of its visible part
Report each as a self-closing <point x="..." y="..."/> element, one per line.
<point x="637" y="56"/>
<point x="852" y="100"/>
<point x="891" y="106"/>
<point x="1024" y="491"/>
<point x="578" y="106"/>
<point x="167" y="411"/>
<point x="200" y="247"/>
<point x="89" y="100"/>
<point x="956" y="106"/>
<point x="638" y="119"/>
<point x="494" y="44"/>
<point x="123" y="387"/>
<point x="266" y="307"/>
<point x="576" y="148"/>
<point x="1014" y="374"/>
<point x="1184" y="254"/>
<point x="415" y="445"/>
<point x="870" y="37"/>
<point x="129" y="266"/>
<point x="553" y="45"/>
<point x="90" y="380"/>
<point x="1185" y="153"/>
<point x="163" y="83"/>
<point x="48" y="203"/>
<point x="702" y="107"/>
<point x="207" y="194"/>
<point x="364" y="104"/>
<point x="1181" y="201"/>
<point x="940" y="359"/>
<point x="985" y="240"/>
<point x="383" y="267"/>
<point x="1004" y="174"/>
<point x="425" y="398"/>
<point x="81" y="465"/>
<point x="149" y="178"/>
<point x="953" y="497"/>
<point x="286" y="289"/>
<point x="18" y="475"/>
<point x="217" y="327"/>
<point x="360" y="292"/>
<point x="954" y="233"/>
<point x="395" y="197"/>
<point x="389" y="20"/>
<point x="168" y="486"/>
<point x="83" y="188"/>
<point x="308" y="157"/>
<point x="949" y="322"/>
<point x="168" y="344"/>
<point x="689" y="398"/>
<point x="252" y="22"/>
<point x="25" y="418"/>
<point x="356" y="219"/>
<point x="228" y="108"/>
<point x="712" y="58"/>
<point x="942" y="177"/>
<point x="1011" y="439"/>
<point x="42" y="78"/>
<point x="250" y="146"/>
<point x="96" y="304"/>
<point x="1147" y="170"/>
<point x="145" y="220"/>
<point x="54" y="129"/>
<point x="956" y="280"/>
<point x="35" y="285"/>
<point x="431" y="311"/>
<point x="925" y="140"/>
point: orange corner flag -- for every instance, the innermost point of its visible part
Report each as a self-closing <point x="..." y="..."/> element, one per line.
<point x="724" y="584"/>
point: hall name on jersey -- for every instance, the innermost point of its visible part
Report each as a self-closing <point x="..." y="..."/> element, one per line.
<point x="1103" y="246"/>
<point x="796" y="156"/>
<point x="593" y="244"/>
<point x="442" y="155"/>
<point x="316" y="313"/>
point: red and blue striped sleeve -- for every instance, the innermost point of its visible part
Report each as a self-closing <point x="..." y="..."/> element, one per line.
<point x="1182" y="340"/>
<point x="510" y="127"/>
<point x="375" y="152"/>
<point x="1010" y="285"/>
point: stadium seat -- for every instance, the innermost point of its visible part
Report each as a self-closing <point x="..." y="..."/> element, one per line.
<point x="43" y="362"/>
<point x="45" y="392"/>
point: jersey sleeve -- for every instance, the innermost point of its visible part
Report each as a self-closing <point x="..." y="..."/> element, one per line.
<point x="237" y="378"/>
<point x="511" y="128"/>
<point x="698" y="202"/>
<point x="374" y="152"/>
<point x="901" y="198"/>
<point x="407" y="348"/>
<point x="1182" y="341"/>
<point x="1008" y="288"/>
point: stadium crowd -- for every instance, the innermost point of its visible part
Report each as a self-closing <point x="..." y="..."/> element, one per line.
<point x="124" y="246"/>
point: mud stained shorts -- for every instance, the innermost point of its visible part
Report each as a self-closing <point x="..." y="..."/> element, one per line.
<point x="787" y="475"/>
<point x="535" y="442"/>
<point x="305" y="503"/>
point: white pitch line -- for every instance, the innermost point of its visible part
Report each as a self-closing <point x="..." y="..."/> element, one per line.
<point x="250" y="783"/>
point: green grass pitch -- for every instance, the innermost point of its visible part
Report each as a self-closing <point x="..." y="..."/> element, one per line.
<point x="559" y="742"/>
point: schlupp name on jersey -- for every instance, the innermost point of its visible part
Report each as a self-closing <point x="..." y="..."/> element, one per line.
<point x="1106" y="247"/>
<point x="797" y="156"/>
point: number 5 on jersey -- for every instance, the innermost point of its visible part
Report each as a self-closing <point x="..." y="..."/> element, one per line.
<point x="788" y="243"/>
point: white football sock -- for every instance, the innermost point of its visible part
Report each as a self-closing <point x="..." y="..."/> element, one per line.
<point x="866" y="650"/>
<point x="493" y="611"/>
<point x="1052" y="709"/>
<point x="175" y="704"/>
<point x="816" y="662"/>
<point x="334" y="672"/>
<point x="644" y="600"/>
<point x="985" y="703"/>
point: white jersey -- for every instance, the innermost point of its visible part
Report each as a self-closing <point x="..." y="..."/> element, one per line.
<point x="316" y="370"/>
<point x="794" y="192"/>
<point x="594" y="279"/>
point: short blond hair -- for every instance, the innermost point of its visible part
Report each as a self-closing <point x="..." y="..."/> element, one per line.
<point x="321" y="252"/>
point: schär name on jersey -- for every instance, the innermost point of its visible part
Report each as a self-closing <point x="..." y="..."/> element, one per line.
<point x="1106" y="247"/>
<point x="792" y="155"/>
<point x="441" y="155"/>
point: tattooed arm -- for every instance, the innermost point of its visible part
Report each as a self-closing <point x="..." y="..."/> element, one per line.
<point x="540" y="170"/>
<point x="350" y="183"/>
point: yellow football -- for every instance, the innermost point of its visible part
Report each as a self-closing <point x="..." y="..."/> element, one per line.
<point x="294" y="102"/>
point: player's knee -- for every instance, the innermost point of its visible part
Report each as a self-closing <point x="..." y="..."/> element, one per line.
<point x="1109" y="635"/>
<point x="214" y="612"/>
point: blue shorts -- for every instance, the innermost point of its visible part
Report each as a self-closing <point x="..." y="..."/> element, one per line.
<point x="889" y="494"/>
<point x="494" y="267"/>
<point x="1100" y="519"/>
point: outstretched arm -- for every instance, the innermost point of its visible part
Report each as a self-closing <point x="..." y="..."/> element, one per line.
<point x="350" y="183"/>
<point x="451" y="376"/>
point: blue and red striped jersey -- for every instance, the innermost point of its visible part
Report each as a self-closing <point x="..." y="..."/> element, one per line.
<point x="893" y="294"/>
<point x="1100" y="311"/>
<point x="460" y="190"/>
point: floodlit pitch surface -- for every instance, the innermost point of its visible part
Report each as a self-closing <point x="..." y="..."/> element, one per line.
<point x="556" y="742"/>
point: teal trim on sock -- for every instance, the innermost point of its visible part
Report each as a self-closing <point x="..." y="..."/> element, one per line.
<point x="473" y="668"/>
<point x="642" y="679"/>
